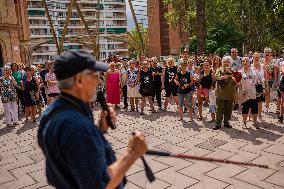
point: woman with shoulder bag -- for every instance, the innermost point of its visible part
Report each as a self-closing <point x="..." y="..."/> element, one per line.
<point x="248" y="93"/>
<point x="260" y="71"/>
<point x="9" y="98"/>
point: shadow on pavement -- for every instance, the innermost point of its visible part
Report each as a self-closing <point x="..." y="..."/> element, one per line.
<point x="191" y="125"/>
<point x="252" y="134"/>
<point x="27" y="126"/>
<point x="5" y="130"/>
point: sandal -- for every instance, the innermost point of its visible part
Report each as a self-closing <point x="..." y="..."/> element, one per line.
<point x="200" y="118"/>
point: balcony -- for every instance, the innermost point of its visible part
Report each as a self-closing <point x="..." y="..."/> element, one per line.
<point x="36" y="7"/>
<point x="41" y="35"/>
<point x="39" y="26"/>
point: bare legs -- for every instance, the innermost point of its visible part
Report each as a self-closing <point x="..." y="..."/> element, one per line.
<point x="167" y="100"/>
<point x="200" y="104"/>
<point x="134" y="103"/>
<point x="189" y="109"/>
<point x="30" y="111"/>
<point x="260" y="110"/>
<point x="245" y="117"/>
<point x="143" y="104"/>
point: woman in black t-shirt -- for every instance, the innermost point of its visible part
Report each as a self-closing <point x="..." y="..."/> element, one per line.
<point x="145" y="77"/>
<point x="206" y="79"/>
<point x="184" y="81"/>
<point x="168" y="76"/>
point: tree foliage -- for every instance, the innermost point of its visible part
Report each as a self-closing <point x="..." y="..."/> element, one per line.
<point x="134" y="43"/>
<point x="256" y="23"/>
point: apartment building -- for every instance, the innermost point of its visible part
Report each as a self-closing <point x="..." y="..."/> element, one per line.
<point x="112" y="21"/>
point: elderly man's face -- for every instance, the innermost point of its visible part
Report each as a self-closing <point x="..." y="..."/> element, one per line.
<point x="234" y="53"/>
<point x="87" y="83"/>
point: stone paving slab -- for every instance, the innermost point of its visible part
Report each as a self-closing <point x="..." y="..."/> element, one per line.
<point x="22" y="162"/>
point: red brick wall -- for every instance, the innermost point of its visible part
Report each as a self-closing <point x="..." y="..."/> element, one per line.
<point x="154" y="28"/>
<point x="154" y="32"/>
<point x="13" y="28"/>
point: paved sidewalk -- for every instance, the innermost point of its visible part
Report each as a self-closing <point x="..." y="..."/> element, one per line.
<point x="22" y="163"/>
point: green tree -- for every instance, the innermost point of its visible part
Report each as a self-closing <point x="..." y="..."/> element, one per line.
<point x="220" y="39"/>
<point x="134" y="42"/>
<point x="260" y="23"/>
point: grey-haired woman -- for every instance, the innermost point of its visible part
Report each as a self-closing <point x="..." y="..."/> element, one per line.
<point x="9" y="97"/>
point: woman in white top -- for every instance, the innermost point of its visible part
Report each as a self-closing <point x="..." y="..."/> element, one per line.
<point x="260" y="71"/>
<point x="248" y="92"/>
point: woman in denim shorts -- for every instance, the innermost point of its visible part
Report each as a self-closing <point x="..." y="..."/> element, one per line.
<point x="184" y="81"/>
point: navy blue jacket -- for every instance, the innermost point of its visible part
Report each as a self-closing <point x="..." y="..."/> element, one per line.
<point x="77" y="153"/>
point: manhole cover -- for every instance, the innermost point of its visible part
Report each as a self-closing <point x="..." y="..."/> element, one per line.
<point x="210" y="144"/>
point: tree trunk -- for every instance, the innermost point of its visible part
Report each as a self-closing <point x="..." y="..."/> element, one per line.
<point x="200" y="21"/>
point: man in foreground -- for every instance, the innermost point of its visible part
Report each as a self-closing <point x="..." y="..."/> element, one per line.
<point x="77" y="153"/>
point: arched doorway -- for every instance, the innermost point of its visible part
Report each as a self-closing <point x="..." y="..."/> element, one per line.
<point x="1" y="56"/>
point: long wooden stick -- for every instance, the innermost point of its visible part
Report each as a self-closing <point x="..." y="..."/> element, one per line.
<point x="166" y="154"/>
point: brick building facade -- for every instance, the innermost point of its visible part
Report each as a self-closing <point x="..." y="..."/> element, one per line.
<point x="163" y="39"/>
<point x="13" y="29"/>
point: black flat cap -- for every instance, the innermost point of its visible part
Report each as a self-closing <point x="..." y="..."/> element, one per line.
<point x="74" y="62"/>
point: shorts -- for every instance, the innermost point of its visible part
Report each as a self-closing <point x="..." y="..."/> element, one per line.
<point x="171" y="92"/>
<point x="203" y="92"/>
<point x="212" y="108"/>
<point x="187" y="97"/>
<point x="53" y="94"/>
<point x="260" y="99"/>
<point x="251" y="103"/>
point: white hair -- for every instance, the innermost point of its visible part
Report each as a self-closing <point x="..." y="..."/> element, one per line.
<point x="66" y="83"/>
<point x="34" y="67"/>
<point x="6" y="67"/>
<point x="227" y="58"/>
<point x="267" y="49"/>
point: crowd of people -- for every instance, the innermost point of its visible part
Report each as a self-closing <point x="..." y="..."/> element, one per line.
<point x="192" y="82"/>
<point x="25" y="90"/>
